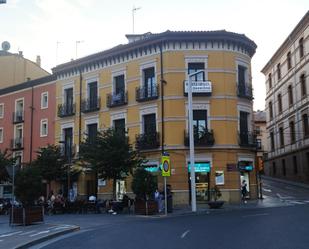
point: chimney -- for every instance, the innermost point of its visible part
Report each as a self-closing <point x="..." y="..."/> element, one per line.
<point x="20" y="53"/>
<point x="38" y="60"/>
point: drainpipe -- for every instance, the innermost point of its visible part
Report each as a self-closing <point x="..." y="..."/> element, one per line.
<point x="31" y="125"/>
<point x="80" y="108"/>
<point x="162" y="99"/>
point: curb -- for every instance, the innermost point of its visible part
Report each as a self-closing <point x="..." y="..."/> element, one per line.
<point x="43" y="239"/>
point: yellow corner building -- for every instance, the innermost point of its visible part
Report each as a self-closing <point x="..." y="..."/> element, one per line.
<point x="141" y="87"/>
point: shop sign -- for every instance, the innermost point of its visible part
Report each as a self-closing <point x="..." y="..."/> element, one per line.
<point x="200" y="167"/>
<point x="199" y="86"/>
<point x="152" y="168"/>
<point x="231" y="167"/>
<point x="245" y="166"/>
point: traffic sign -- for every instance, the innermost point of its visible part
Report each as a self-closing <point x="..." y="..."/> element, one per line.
<point x="166" y="166"/>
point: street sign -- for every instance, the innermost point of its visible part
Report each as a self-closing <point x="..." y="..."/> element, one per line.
<point x="199" y="86"/>
<point x="166" y="166"/>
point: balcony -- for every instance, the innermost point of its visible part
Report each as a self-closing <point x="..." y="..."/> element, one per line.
<point x="65" y="110"/>
<point x="202" y="138"/>
<point x="18" y="117"/>
<point x="247" y="139"/>
<point x="17" y="143"/>
<point x="148" y="141"/>
<point x="91" y="105"/>
<point x="114" y="100"/>
<point x="146" y="94"/>
<point x="244" y="91"/>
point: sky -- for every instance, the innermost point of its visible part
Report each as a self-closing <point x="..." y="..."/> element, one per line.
<point x="61" y="30"/>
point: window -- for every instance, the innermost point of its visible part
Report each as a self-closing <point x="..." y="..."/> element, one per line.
<point x="274" y="169"/>
<point x="257" y="130"/>
<point x="150" y="82"/>
<point x="295" y="169"/>
<point x="1" y="110"/>
<point x="92" y="130"/>
<point x="303" y="85"/>
<point x="279" y="71"/>
<point x="292" y="132"/>
<point x="259" y="144"/>
<point x="195" y="67"/>
<point x="44" y="128"/>
<point x="120" y="125"/>
<point x="288" y="60"/>
<point x="305" y="125"/>
<point x="19" y="111"/>
<point x="68" y="142"/>
<point x="281" y="136"/>
<point x="44" y="100"/>
<point x="290" y="93"/>
<point x="1" y="135"/>
<point x="92" y="94"/>
<point x="119" y="86"/>
<point x="272" y="141"/>
<point x="279" y="103"/>
<point x="68" y="99"/>
<point x="199" y="121"/>
<point x="283" y="167"/>
<point x="270" y="109"/>
<point x="149" y="123"/>
<point x="301" y="47"/>
<point x="270" y="81"/>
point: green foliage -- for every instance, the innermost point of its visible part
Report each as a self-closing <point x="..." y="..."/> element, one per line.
<point x="144" y="184"/>
<point x="216" y="193"/>
<point x="5" y="161"/>
<point x="50" y="163"/>
<point x="110" y="155"/>
<point x="28" y="185"/>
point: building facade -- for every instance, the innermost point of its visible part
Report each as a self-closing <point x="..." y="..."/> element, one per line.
<point x="15" y="69"/>
<point x="141" y="87"/>
<point x="261" y="138"/>
<point x="287" y="106"/>
<point x="27" y="114"/>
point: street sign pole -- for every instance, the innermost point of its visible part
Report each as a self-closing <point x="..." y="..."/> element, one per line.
<point x="166" y="172"/>
<point x="165" y="196"/>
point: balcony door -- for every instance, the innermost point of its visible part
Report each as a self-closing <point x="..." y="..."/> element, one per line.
<point x="149" y="121"/>
<point x="68" y="141"/>
<point x="243" y="127"/>
<point x="92" y="130"/>
<point x="92" y="94"/>
<point x="195" y="67"/>
<point x="149" y="82"/>
<point x="120" y="126"/>
<point x="68" y="100"/>
<point x="199" y="122"/>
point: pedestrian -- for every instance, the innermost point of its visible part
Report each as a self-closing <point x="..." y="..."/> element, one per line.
<point x="157" y="198"/>
<point x="244" y="191"/>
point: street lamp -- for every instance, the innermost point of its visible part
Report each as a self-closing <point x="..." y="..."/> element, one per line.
<point x="191" y="141"/>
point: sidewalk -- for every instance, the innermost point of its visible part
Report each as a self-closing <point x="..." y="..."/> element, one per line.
<point x="56" y="225"/>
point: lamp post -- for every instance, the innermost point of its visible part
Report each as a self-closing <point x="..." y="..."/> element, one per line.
<point x="191" y="140"/>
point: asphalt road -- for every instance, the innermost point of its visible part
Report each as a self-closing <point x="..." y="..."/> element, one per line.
<point x="283" y="227"/>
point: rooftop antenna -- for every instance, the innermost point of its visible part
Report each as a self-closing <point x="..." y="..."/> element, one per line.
<point x="76" y="44"/>
<point x="133" y="13"/>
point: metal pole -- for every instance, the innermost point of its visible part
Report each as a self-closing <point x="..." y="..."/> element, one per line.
<point x="165" y="196"/>
<point x="191" y="140"/>
<point x="13" y="196"/>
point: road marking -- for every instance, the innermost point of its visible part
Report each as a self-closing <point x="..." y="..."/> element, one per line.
<point x="284" y="197"/>
<point x="267" y="190"/>
<point x="254" y="215"/>
<point x="59" y="228"/>
<point x="1" y="240"/>
<point x="26" y="233"/>
<point x="184" y="234"/>
<point x="306" y="201"/>
<point x="32" y="235"/>
<point x="297" y="202"/>
<point x="9" y="234"/>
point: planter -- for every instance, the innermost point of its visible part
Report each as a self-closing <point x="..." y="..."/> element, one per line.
<point x="27" y="216"/>
<point x="215" y="204"/>
<point x="145" y="208"/>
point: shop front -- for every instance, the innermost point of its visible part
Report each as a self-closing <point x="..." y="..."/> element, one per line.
<point x="245" y="168"/>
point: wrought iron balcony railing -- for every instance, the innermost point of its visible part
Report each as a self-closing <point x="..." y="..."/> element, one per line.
<point x="17" y="143"/>
<point x="65" y="110"/>
<point x="147" y="93"/>
<point x="18" y="117"/>
<point x="202" y="138"/>
<point x="91" y="104"/>
<point x="147" y="141"/>
<point x="244" y="91"/>
<point x="67" y="151"/>
<point x="118" y="99"/>
<point x="247" y="139"/>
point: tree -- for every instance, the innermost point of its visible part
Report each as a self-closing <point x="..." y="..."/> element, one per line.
<point x="28" y="185"/>
<point x="5" y="161"/>
<point x="144" y="184"/>
<point x="50" y="163"/>
<point x="110" y="156"/>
